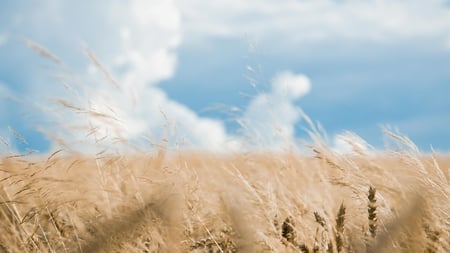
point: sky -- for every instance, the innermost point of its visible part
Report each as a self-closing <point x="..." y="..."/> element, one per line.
<point x="223" y="74"/>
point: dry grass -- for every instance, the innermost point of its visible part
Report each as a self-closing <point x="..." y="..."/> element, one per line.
<point x="197" y="202"/>
<point x="397" y="201"/>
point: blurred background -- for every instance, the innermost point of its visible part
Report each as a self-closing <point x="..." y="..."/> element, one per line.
<point x="226" y="74"/>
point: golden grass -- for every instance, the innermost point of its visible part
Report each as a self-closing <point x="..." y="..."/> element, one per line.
<point x="197" y="202"/>
<point x="398" y="201"/>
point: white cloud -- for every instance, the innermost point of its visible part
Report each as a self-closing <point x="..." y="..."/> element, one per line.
<point x="322" y="20"/>
<point x="288" y="84"/>
<point x="157" y="117"/>
<point x="149" y="34"/>
<point x="136" y="40"/>
<point x="270" y="118"/>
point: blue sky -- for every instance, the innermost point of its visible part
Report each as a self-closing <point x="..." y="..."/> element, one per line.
<point x="226" y="74"/>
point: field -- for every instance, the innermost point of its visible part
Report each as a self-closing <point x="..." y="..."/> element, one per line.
<point x="397" y="201"/>
<point x="162" y="200"/>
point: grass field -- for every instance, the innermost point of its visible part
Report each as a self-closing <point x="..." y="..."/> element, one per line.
<point x="184" y="201"/>
<point x="397" y="201"/>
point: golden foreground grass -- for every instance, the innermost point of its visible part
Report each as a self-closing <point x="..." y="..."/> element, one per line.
<point x="398" y="201"/>
<point x="248" y="202"/>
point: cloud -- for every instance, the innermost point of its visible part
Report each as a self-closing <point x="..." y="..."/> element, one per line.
<point x="135" y="41"/>
<point x="269" y="119"/>
<point x="149" y="33"/>
<point x="290" y="85"/>
<point x="156" y="117"/>
<point x="311" y="21"/>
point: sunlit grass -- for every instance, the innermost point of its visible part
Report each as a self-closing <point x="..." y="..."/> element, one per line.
<point x="167" y="200"/>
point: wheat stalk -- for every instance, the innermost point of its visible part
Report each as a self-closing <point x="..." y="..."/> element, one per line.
<point x="372" y="211"/>
<point x="340" y="223"/>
